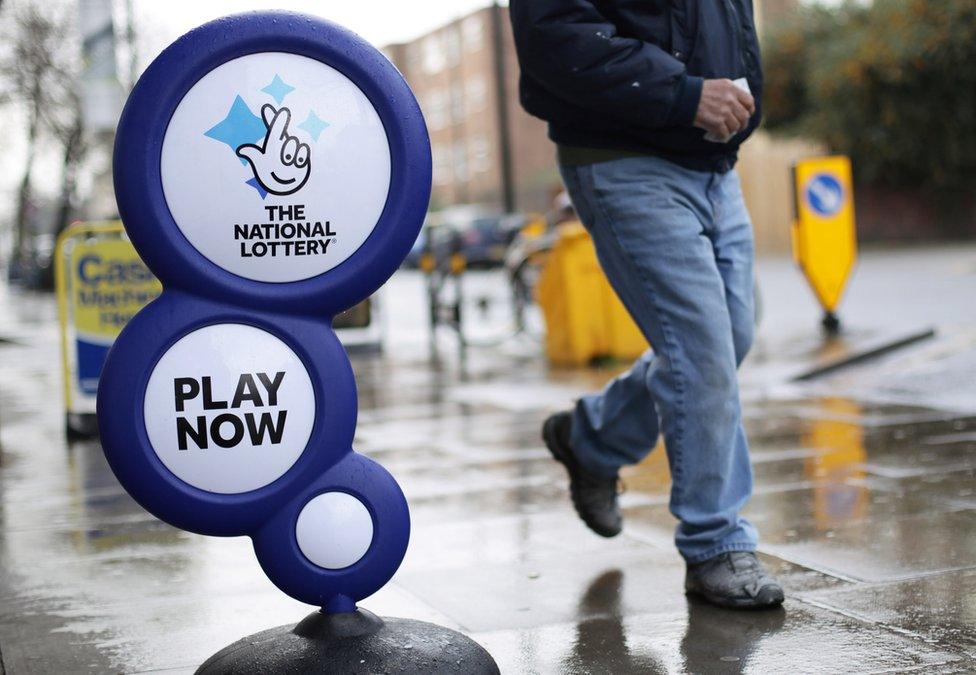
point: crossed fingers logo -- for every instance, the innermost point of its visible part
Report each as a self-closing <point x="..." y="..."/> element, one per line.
<point x="280" y="162"/>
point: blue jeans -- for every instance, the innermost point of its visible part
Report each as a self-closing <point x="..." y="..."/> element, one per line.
<point x="677" y="247"/>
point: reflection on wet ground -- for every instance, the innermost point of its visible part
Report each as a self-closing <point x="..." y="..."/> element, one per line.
<point x="867" y="511"/>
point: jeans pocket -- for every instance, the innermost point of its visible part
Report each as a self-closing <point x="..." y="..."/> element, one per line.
<point x="636" y="184"/>
<point x="573" y="180"/>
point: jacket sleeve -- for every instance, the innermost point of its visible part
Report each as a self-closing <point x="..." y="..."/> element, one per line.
<point x="571" y="49"/>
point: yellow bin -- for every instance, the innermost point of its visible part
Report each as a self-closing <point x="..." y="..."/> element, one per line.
<point x="585" y="319"/>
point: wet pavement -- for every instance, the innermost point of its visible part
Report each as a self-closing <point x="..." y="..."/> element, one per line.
<point x="865" y="499"/>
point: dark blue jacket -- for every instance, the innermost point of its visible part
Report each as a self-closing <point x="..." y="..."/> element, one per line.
<point x="627" y="74"/>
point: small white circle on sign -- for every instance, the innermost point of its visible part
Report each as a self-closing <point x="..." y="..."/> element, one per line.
<point x="275" y="166"/>
<point x="334" y="530"/>
<point x="229" y="408"/>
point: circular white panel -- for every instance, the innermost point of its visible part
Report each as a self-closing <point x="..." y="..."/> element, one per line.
<point x="275" y="166"/>
<point x="229" y="408"/>
<point x="334" y="530"/>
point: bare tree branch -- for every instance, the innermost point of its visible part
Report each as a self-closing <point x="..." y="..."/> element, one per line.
<point x="39" y="70"/>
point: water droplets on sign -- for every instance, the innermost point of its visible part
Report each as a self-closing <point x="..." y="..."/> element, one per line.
<point x="276" y="167"/>
<point x="229" y="408"/>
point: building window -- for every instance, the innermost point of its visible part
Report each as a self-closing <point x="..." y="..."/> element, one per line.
<point x="457" y="104"/>
<point x="473" y="31"/>
<point x="415" y="56"/>
<point x="441" y="157"/>
<point x="461" y="174"/>
<point x="433" y="55"/>
<point x="452" y="47"/>
<point x="436" y="110"/>
<point x="477" y="94"/>
<point x="480" y="154"/>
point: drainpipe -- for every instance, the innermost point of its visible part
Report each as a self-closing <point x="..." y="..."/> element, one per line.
<point x="501" y="98"/>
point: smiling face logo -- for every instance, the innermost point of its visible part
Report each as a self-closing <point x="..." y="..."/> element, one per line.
<point x="281" y="163"/>
<point x="277" y="160"/>
<point x="276" y="167"/>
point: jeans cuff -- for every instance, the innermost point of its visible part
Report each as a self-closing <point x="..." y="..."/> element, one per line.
<point x="585" y="449"/>
<point x="719" y="550"/>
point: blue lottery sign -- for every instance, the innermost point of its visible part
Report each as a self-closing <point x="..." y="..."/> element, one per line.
<point x="825" y="194"/>
<point x="272" y="170"/>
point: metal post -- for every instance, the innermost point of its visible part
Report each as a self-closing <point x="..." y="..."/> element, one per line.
<point x="501" y="102"/>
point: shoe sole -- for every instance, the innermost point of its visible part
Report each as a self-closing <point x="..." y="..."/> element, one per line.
<point x="569" y="463"/>
<point x="767" y="598"/>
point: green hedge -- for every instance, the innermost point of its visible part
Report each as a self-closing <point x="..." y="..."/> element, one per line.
<point x="891" y="83"/>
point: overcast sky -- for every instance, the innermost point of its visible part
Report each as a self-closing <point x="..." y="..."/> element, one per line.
<point x="379" y="21"/>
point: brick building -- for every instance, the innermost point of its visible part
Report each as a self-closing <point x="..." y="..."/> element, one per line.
<point x="465" y="76"/>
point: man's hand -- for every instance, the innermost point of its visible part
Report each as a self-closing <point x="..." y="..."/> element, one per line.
<point x="724" y="109"/>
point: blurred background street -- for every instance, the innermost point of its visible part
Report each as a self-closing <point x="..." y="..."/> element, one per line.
<point x="863" y="442"/>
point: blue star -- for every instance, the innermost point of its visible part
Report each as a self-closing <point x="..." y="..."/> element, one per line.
<point x="278" y="89"/>
<point x="257" y="186"/>
<point x="313" y="125"/>
<point x="240" y="126"/>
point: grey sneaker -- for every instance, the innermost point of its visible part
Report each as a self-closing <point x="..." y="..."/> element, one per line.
<point x="594" y="497"/>
<point x="736" y="579"/>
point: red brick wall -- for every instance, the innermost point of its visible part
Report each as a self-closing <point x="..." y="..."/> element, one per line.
<point x="457" y="63"/>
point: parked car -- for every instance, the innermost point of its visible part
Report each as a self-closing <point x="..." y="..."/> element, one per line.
<point x="485" y="239"/>
<point x="482" y="235"/>
<point x="412" y="261"/>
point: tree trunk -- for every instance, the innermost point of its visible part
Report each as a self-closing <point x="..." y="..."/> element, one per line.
<point x="24" y="194"/>
<point x="73" y="152"/>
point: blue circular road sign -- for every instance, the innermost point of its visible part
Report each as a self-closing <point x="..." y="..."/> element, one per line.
<point x="825" y="194"/>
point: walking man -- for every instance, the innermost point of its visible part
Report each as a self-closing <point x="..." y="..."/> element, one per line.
<point x="648" y="103"/>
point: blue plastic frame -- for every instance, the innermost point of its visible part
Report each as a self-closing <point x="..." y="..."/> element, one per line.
<point x="139" y="143"/>
<point x="198" y="293"/>
<point x="125" y="378"/>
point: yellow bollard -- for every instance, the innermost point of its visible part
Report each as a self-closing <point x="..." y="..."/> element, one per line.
<point x="824" y="236"/>
<point x="459" y="263"/>
<point x="585" y="319"/>
<point x="534" y="228"/>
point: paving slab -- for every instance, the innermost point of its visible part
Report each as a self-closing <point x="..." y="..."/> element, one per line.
<point x="940" y="608"/>
<point x="885" y="550"/>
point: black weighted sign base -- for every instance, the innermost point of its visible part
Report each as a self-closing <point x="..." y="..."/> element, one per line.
<point x="353" y="642"/>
